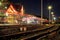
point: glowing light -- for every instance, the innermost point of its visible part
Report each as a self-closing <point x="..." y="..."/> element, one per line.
<point x="6" y="14"/>
<point x="52" y="13"/>
<point x="25" y="28"/>
<point x="54" y="18"/>
<point x="21" y="29"/>
<point x="49" y="7"/>
<point x="28" y="21"/>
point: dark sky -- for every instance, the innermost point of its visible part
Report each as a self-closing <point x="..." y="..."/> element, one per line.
<point x="34" y="6"/>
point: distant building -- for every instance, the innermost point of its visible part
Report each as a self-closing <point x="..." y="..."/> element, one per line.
<point x="14" y="16"/>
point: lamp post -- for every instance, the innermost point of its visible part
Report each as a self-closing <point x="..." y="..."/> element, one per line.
<point x="41" y="12"/>
<point x="54" y="18"/>
<point x="49" y="8"/>
<point x="52" y="13"/>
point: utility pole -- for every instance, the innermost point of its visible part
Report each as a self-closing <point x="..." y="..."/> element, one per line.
<point x="41" y="12"/>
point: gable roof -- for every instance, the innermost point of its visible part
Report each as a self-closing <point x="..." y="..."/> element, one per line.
<point x="11" y="10"/>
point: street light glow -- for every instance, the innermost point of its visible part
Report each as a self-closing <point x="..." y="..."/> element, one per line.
<point x="52" y="13"/>
<point x="49" y="7"/>
<point x="54" y="18"/>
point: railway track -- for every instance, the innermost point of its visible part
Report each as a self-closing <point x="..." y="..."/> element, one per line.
<point x="36" y="34"/>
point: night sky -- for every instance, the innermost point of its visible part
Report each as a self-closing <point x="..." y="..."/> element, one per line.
<point x="34" y="6"/>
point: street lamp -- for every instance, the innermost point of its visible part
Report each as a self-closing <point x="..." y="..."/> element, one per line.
<point x="41" y="12"/>
<point x="52" y="13"/>
<point x="49" y="8"/>
<point x="54" y="18"/>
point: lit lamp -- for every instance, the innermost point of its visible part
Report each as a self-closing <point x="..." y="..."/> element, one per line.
<point x="49" y="8"/>
<point x="52" y="13"/>
<point x="54" y="18"/>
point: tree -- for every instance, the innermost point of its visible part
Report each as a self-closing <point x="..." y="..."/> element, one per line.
<point x="3" y="7"/>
